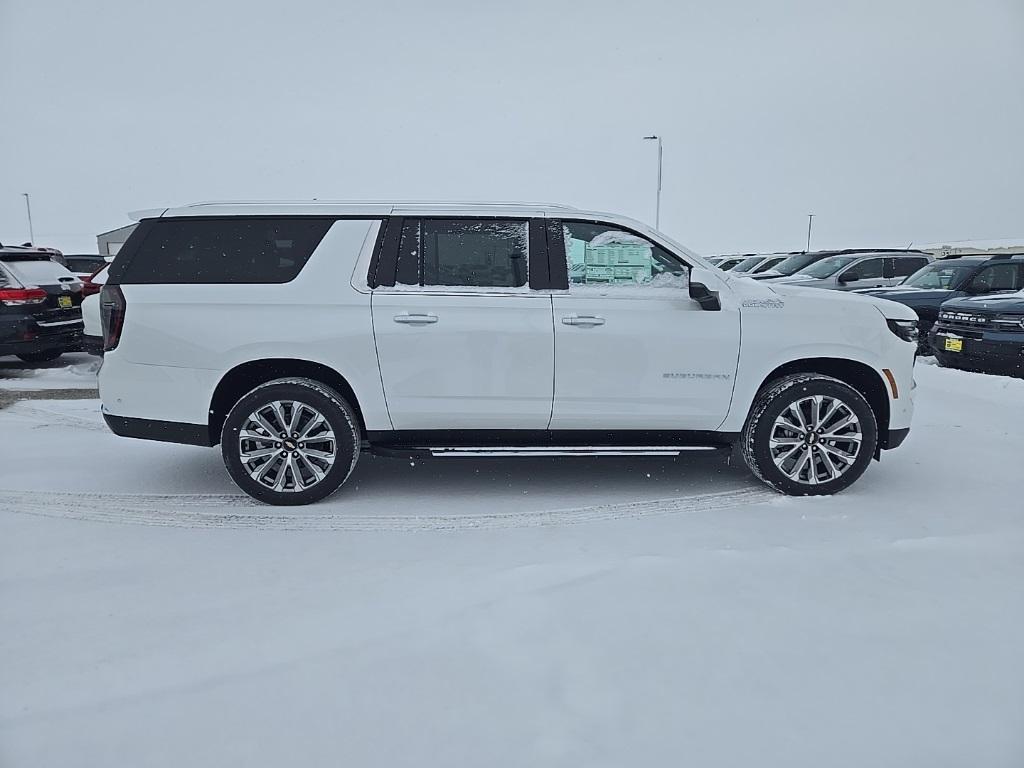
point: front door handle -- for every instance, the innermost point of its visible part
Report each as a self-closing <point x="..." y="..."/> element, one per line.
<point x="586" y="321"/>
<point x="410" y="319"/>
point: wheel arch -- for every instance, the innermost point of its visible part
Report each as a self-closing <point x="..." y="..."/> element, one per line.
<point x="245" y="377"/>
<point x="861" y="376"/>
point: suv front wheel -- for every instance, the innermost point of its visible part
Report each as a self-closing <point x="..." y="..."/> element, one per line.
<point x="809" y="435"/>
<point x="290" y="442"/>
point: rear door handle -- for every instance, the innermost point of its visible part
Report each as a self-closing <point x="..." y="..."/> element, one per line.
<point x="410" y="319"/>
<point x="585" y="321"/>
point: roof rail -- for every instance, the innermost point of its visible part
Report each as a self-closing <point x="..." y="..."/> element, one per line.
<point x="468" y="203"/>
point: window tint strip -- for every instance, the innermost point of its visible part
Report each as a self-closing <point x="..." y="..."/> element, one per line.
<point x="539" y="272"/>
<point x="558" y="269"/>
<point x="388" y="261"/>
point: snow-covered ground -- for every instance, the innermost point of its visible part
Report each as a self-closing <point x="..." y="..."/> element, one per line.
<point x="527" y="612"/>
<point x="72" y="370"/>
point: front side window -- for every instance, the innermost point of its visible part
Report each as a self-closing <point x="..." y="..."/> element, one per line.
<point x="603" y="255"/>
<point x="482" y="253"/>
<point x="937" y="277"/>
<point x="865" y="270"/>
<point x="998" y="277"/>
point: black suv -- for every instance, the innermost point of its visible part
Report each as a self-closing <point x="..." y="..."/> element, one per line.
<point x="40" y="306"/>
<point x="984" y="331"/>
<point x="942" y="280"/>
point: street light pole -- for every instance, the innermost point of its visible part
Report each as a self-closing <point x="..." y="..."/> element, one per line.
<point x="810" y="218"/>
<point x="657" y="209"/>
<point x="28" y="209"/>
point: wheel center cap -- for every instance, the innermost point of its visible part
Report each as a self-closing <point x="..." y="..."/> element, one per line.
<point x="289" y="445"/>
<point x="812" y="438"/>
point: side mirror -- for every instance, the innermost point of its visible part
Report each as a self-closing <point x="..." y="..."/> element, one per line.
<point x="699" y="291"/>
<point x="847" y="277"/>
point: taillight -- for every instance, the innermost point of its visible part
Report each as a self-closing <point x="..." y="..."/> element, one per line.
<point x="112" y="309"/>
<point x="16" y="297"/>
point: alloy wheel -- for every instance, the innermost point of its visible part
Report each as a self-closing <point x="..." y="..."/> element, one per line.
<point x="287" y="446"/>
<point x="815" y="439"/>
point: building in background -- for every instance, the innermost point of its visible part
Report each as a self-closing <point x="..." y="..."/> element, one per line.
<point x="109" y="243"/>
<point x="1007" y="246"/>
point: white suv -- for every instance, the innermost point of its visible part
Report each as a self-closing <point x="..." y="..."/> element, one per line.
<point x="299" y="335"/>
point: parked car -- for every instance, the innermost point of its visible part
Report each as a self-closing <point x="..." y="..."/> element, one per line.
<point x="925" y="290"/>
<point x="728" y="263"/>
<point x="985" y="331"/>
<point x="754" y="264"/>
<point x="297" y="336"/>
<point x="849" y="271"/>
<point x="84" y="265"/>
<point x="92" y="332"/>
<point x="803" y="259"/>
<point x="40" y="314"/>
<point x="770" y="263"/>
<point x="92" y="284"/>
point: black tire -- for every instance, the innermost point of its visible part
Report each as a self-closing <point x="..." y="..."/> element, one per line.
<point x="339" y="416"/>
<point x="780" y="395"/>
<point x="41" y="357"/>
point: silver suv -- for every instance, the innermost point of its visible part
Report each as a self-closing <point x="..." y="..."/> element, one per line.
<point x="849" y="271"/>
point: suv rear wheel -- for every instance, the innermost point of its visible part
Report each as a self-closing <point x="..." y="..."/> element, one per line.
<point x="809" y="435"/>
<point x="290" y="442"/>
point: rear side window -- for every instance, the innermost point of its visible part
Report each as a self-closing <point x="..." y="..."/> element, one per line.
<point x="228" y="250"/>
<point x="484" y="253"/>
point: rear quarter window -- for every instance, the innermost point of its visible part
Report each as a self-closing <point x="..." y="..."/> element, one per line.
<point x="226" y="250"/>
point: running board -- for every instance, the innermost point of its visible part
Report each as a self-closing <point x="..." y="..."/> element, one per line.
<point x="570" y="450"/>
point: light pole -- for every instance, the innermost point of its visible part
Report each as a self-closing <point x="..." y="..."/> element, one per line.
<point x="657" y="208"/>
<point x="810" y="219"/>
<point x="28" y="209"/>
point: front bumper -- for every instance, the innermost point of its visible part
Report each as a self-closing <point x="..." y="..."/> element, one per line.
<point x="988" y="350"/>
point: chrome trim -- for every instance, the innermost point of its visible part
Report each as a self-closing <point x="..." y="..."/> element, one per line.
<point x="43" y="324"/>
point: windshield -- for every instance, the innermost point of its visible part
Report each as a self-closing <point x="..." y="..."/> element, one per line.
<point x="794" y="264"/>
<point x="938" y="276"/>
<point x="748" y="264"/>
<point x="827" y="267"/>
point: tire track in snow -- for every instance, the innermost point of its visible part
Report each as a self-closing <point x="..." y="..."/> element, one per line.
<point x="229" y="511"/>
<point x="52" y="418"/>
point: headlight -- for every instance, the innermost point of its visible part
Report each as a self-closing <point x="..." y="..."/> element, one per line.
<point x="905" y="329"/>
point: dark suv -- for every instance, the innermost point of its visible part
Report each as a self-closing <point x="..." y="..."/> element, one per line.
<point x="40" y="306"/>
<point x="984" y="331"/>
<point x="942" y="280"/>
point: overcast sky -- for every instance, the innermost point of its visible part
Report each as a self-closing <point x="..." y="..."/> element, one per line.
<point x="892" y="121"/>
